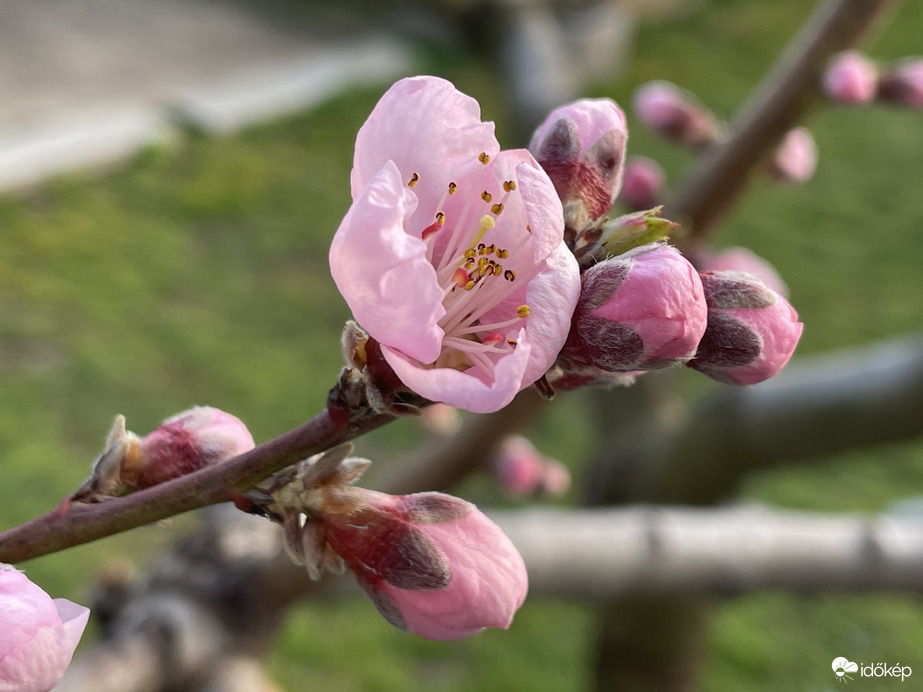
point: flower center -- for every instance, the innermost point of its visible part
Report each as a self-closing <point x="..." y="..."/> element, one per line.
<point x="475" y="273"/>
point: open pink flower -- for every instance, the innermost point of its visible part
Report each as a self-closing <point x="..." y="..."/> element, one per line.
<point x="431" y="563"/>
<point x="38" y="635"/>
<point x="452" y="254"/>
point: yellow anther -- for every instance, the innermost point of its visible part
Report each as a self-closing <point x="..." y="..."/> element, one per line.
<point x="509" y="275"/>
<point x="469" y="253"/>
<point x="414" y="180"/>
<point x="523" y="311"/>
<point x="511" y="342"/>
<point x="486" y="196"/>
<point x="469" y="264"/>
<point x="503" y="254"/>
<point x="497" y="209"/>
<point x="498" y="270"/>
<point x="482" y="263"/>
<point x="469" y="285"/>
<point x="440" y="218"/>
<point x="491" y="248"/>
<point x="483" y="157"/>
<point x="529" y="228"/>
<point x="509" y="185"/>
<point x="453" y="188"/>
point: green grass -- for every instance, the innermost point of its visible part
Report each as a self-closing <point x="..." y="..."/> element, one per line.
<point x="198" y="274"/>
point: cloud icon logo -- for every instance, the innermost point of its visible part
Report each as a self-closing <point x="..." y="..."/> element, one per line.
<point x="842" y="666"/>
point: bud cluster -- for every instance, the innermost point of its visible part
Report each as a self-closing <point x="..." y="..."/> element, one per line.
<point x="853" y="79"/>
<point x="432" y="564"/>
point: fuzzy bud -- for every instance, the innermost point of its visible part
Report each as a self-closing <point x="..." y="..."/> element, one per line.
<point x="581" y="146"/>
<point x="851" y="79"/>
<point x="184" y="443"/>
<point x="431" y="563"/>
<point x="741" y="259"/>
<point x="752" y="331"/>
<point x="642" y="310"/>
<point x="643" y="183"/>
<point x="795" y="159"/>
<point x="675" y="114"/>
<point x="521" y="470"/>
<point x="902" y="83"/>
<point x="38" y="635"/>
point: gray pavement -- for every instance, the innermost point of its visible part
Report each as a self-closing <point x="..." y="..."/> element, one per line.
<point x="88" y="82"/>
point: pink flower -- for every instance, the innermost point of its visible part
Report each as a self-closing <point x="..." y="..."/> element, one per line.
<point x="581" y="146"/>
<point x="38" y="635"/>
<point x="795" y="159"/>
<point x="555" y="477"/>
<point x="752" y="331"/>
<point x="642" y="187"/>
<point x="186" y="442"/>
<point x="902" y="83"/>
<point x="518" y="466"/>
<point x="741" y="259"/>
<point x="641" y="310"/>
<point x="431" y="563"/>
<point x="675" y="114"/>
<point x="851" y="79"/>
<point x="452" y="254"/>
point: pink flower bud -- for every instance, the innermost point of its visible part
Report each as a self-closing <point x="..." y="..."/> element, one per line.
<point x="555" y="478"/>
<point x="431" y="563"/>
<point x="517" y="466"/>
<point x="38" y="635"/>
<point x="741" y="259"/>
<point x="638" y="311"/>
<point x="795" y="160"/>
<point x="675" y="114"/>
<point x="902" y="83"/>
<point x="581" y="146"/>
<point x="441" y="419"/>
<point x="752" y="331"/>
<point x="851" y="79"/>
<point x="642" y="186"/>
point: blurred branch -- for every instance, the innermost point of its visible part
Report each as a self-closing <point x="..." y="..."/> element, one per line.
<point x="647" y="550"/>
<point x="815" y="407"/>
<point x="779" y="102"/>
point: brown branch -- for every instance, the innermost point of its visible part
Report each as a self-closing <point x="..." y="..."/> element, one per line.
<point x="778" y="103"/>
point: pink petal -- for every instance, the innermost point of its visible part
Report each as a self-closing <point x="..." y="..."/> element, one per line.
<point x="383" y="272"/>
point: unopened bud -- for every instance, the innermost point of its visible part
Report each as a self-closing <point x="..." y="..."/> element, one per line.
<point x="795" y="159"/>
<point x="607" y="237"/>
<point x="581" y="146"/>
<point x="752" y="331"/>
<point x="642" y="185"/>
<point x="675" y="114"/>
<point x="642" y="310"/>
<point x="902" y="83"/>
<point x="184" y="443"/>
<point x="741" y="259"/>
<point x="851" y="79"/>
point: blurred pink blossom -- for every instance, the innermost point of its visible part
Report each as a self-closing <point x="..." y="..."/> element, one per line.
<point x="795" y="159"/>
<point x="556" y="478"/>
<point x="582" y="148"/>
<point x="902" y="83"/>
<point x="452" y="254"/>
<point x="743" y="259"/>
<point x="517" y="466"/>
<point x="641" y="310"/>
<point x="675" y="114"/>
<point x="38" y="635"/>
<point x="642" y="186"/>
<point x="752" y="331"/>
<point x="441" y="419"/>
<point x="851" y="79"/>
<point x="431" y="563"/>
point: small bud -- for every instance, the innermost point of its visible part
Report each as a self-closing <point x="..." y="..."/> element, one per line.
<point x="517" y="466"/>
<point x="795" y="159"/>
<point x="38" y="635"/>
<point x="581" y="146"/>
<point x="675" y="114"/>
<point x="851" y="79"/>
<point x="431" y="563"/>
<point x="643" y="183"/>
<point x="184" y="443"/>
<point x="608" y="237"/>
<point x="555" y="478"/>
<point x="441" y="419"/>
<point x="642" y="310"/>
<point x="741" y="259"/>
<point x="902" y="83"/>
<point x="752" y="331"/>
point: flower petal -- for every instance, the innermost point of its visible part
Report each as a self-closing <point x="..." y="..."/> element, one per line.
<point x="383" y="272"/>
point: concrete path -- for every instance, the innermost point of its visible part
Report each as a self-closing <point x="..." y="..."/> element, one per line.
<point x="89" y="82"/>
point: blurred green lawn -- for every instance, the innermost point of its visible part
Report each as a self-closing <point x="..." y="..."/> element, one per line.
<point x="198" y="275"/>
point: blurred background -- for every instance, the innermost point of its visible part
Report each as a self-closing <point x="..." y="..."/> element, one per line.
<point x="174" y="173"/>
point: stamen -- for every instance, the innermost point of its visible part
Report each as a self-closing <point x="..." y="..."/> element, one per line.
<point x="523" y="311"/>
<point x="509" y="185"/>
<point x="486" y="196"/>
<point x="509" y="275"/>
<point x="414" y="180"/>
<point x="503" y="254"/>
<point x="497" y="209"/>
<point x="484" y="158"/>
<point x="453" y="188"/>
<point x="469" y="285"/>
<point x="470" y="252"/>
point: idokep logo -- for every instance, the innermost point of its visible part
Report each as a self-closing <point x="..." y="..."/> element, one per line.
<point x="843" y="666"/>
